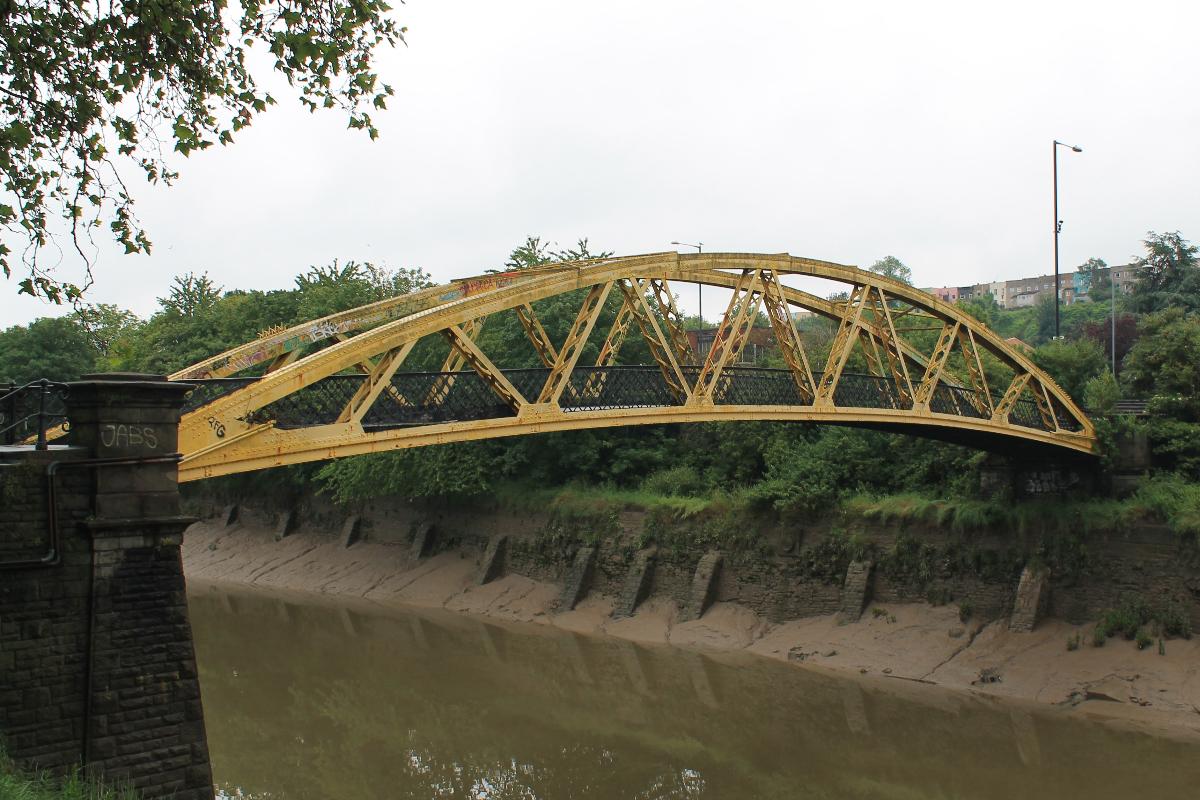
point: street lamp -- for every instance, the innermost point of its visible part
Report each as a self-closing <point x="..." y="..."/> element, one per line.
<point x="1058" y="226"/>
<point x="1112" y="296"/>
<point x="700" y="286"/>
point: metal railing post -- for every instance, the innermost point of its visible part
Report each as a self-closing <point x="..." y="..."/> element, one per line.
<point x="8" y="414"/>
<point x="43" y="391"/>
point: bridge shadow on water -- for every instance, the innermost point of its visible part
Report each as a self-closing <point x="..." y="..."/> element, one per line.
<point x="312" y="700"/>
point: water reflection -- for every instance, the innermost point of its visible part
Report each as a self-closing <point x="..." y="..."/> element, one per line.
<point x="320" y="701"/>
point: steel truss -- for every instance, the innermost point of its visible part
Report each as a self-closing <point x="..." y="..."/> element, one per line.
<point x="338" y="386"/>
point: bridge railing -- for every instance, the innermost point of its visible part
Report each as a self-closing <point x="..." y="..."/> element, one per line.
<point x="29" y="413"/>
<point x="423" y="398"/>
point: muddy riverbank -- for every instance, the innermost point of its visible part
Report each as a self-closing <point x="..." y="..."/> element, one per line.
<point x="897" y="640"/>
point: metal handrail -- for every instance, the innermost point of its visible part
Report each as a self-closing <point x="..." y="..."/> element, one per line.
<point x="8" y="410"/>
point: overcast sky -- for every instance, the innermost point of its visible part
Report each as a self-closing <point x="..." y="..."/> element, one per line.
<point x="841" y="131"/>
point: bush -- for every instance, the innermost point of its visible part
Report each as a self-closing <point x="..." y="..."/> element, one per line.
<point x="1144" y="639"/>
<point x="1175" y="621"/>
<point x="1130" y="615"/>
<point x="680" y="481"/>
<point x="1173" y="500"/>
<point x="966" y="609"/>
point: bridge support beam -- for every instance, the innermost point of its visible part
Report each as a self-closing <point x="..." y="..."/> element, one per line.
<point x="492" y="565"/>
<point x="1032" y="594"/>
<point x="637" y="584"/>
<point x="423" y="541"/>
<point x="704" y="586"/>
<point x="579" y="579"/>
<point x="856" y="591"/>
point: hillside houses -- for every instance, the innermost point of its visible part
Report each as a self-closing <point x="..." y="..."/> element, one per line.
<point x="1026" y="292"/>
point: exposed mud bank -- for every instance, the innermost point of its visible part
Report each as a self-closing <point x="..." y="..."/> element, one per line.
<point x="757" y="609"/>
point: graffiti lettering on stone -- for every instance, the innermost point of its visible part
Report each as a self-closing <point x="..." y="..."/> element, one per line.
<point x="1050" y="481"/>
<point x="217" y="427"/>
<point x="128" y="436"/>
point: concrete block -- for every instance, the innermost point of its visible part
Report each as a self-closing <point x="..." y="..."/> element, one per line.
<point x="637" y="583"/>
<point x="1032" y="594"/>
<point x="493" y="560"/>
<point x="229" y="515"/>
<point x="423" y="541"/>
<point x="856" y="591"/>
<point x="286" y="525"/>
<point x="704" y="586"/>
<point x="351" y="530"/>
<point x="579" y="578"/>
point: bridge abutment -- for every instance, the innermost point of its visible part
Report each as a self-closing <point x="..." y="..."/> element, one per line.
<point x="96" y="658"/>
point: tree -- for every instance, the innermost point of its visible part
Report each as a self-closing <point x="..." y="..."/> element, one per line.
<point x="328" y="289"/>
<point x="1165" y="362"/>
<point x="982" y="307"/>
<point x="534" y="252"/>
<point x="89" y="89"/>
<point x="191" y="295"/>
<point x="1168" y="275"/>
<point x="1071" y="363"/>
<point x="1097" y="278"/>
<point x="1165" y="366"/>
<point x="57" y="348"/>
<point x="892" y="267"/>
<point x="111" y="330"/>
<point x="1101" y="332"/>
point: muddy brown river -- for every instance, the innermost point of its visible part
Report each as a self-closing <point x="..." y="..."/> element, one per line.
<point x="312" y="699"/>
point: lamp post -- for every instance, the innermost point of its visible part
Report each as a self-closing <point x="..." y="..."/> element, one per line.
<point x="1112" y="294"/>
<point x="1058" y="226"/>
<point x="700" y="286"/>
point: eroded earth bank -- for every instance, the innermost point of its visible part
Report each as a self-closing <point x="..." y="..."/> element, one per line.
<point x="935" y="607"/>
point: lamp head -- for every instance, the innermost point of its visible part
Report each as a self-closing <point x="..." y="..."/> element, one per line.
<point x="1077" y="149"/>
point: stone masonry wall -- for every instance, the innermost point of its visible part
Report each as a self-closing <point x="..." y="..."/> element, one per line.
<point x="96" y="659"/>
<point x="43" y="611"/>
<point x="779" y="580"/>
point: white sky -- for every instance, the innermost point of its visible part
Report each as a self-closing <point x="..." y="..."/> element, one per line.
<point x="842" y="131"/>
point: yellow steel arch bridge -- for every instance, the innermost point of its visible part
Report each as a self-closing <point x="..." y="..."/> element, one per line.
<point x="893" y="358"/>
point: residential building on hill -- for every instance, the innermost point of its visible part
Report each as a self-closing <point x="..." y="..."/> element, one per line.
<point x="1073" y="287"/>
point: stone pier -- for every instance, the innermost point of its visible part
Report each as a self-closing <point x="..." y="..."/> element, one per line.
<point x="96" y="658"/>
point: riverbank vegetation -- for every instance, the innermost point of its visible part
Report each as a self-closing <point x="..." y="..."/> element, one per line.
<point x="16" y="784"/>
<point x="716" y="471"/>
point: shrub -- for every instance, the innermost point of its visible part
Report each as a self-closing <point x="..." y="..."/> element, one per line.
<point x="966" y="609"/>
<point x="1130" y="615"/>
<point x="1175" y="621"/>
<point x="1173" y="500"/>
<point x="1144" y="639"/>
<point x="679" y="481"/>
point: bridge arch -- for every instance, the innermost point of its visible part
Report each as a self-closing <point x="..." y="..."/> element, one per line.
<point x="925" y="366"/>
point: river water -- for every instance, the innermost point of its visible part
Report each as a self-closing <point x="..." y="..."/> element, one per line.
<point x="312" y="699"/>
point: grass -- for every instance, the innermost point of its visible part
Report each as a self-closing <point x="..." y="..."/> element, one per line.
<point x="16" y="785"/>
<point x="1168" y="500"/>
<point x="595" y="499"/>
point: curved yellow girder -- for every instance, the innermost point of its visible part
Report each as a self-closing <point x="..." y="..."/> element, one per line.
<point x="223" y="437"/>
